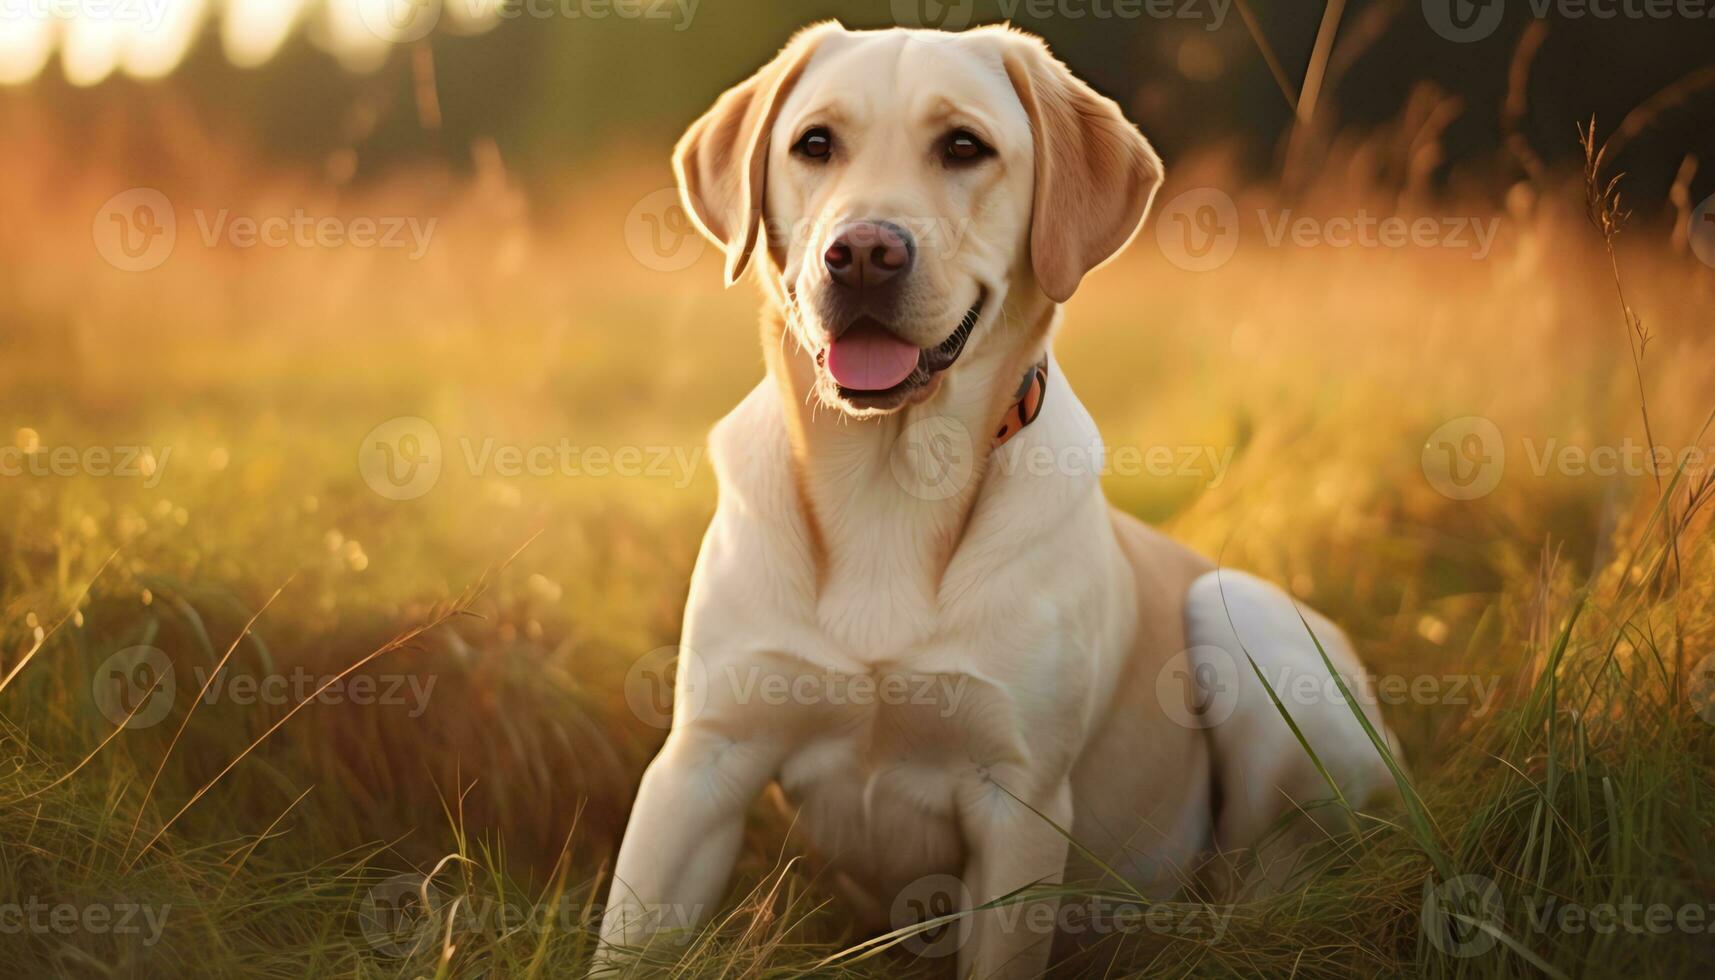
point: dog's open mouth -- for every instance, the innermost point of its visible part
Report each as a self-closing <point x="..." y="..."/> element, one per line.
<point x="871" y="367"/>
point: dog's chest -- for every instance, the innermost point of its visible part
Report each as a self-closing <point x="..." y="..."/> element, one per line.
<point x="880" y="777"/>
<point x="903" y="711"/>
<point x="889" y="758"/>
<point x="925" y="668"/>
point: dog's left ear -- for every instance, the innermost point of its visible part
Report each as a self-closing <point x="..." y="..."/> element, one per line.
<point x="1095" y="173"/>
<point x="721" y="161"/>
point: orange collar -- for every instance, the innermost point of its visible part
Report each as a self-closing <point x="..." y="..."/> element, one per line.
<point x="1026" y="404"/>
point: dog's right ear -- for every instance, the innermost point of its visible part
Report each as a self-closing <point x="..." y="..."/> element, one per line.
<point x="1095" y="173"/>
<point x="721" y="161"/>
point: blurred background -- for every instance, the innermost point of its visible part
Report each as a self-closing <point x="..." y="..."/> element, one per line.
<point x="365" y="316"/>
<point x="342" y="85"/>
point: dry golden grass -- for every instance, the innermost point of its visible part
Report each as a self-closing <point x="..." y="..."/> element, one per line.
<point x="253" y="376"/>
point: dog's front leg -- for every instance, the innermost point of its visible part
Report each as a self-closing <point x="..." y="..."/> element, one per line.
<point x="1011" y="847"/>
<point x="683" y="837"/>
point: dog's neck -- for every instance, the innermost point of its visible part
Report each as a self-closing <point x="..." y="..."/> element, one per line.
<point x="887" y="498"/>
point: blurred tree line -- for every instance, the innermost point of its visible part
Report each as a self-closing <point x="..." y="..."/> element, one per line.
<point x="555" y="91"/>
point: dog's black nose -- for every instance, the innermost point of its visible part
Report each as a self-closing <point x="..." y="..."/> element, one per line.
<point x="865" y="254"/>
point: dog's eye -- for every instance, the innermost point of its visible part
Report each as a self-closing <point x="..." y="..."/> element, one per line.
<point x="816" y="144"/>
<point x="962" y="146"/>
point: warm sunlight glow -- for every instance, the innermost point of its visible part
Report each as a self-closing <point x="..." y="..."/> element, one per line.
<point x="150" y="38"/>
<point x="358" y="32"/>
<point x="153" y="50"/>
<point x="474" y="16"/>
<point x="26" y="40"/>
<point x="90" y="49"/>
<point x="251" y="31"/>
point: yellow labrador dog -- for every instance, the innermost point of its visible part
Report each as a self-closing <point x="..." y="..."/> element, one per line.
<point x="947" y="656"/>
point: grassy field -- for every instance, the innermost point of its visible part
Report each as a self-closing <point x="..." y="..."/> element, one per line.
<point x="1309" y="398"/>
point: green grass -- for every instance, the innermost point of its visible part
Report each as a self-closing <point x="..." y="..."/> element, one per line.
<point x="1588" y="777"/>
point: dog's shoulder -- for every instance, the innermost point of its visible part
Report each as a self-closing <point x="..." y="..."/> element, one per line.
<point x="751" y="452"/>
<point x="1163" y="566"/>
<point x="757" y="554"/>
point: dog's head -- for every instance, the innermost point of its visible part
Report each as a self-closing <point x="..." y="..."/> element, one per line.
<point x="902" y="185"/>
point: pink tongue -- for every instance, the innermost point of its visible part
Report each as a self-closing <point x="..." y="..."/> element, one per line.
<point x="869" y="359"/>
